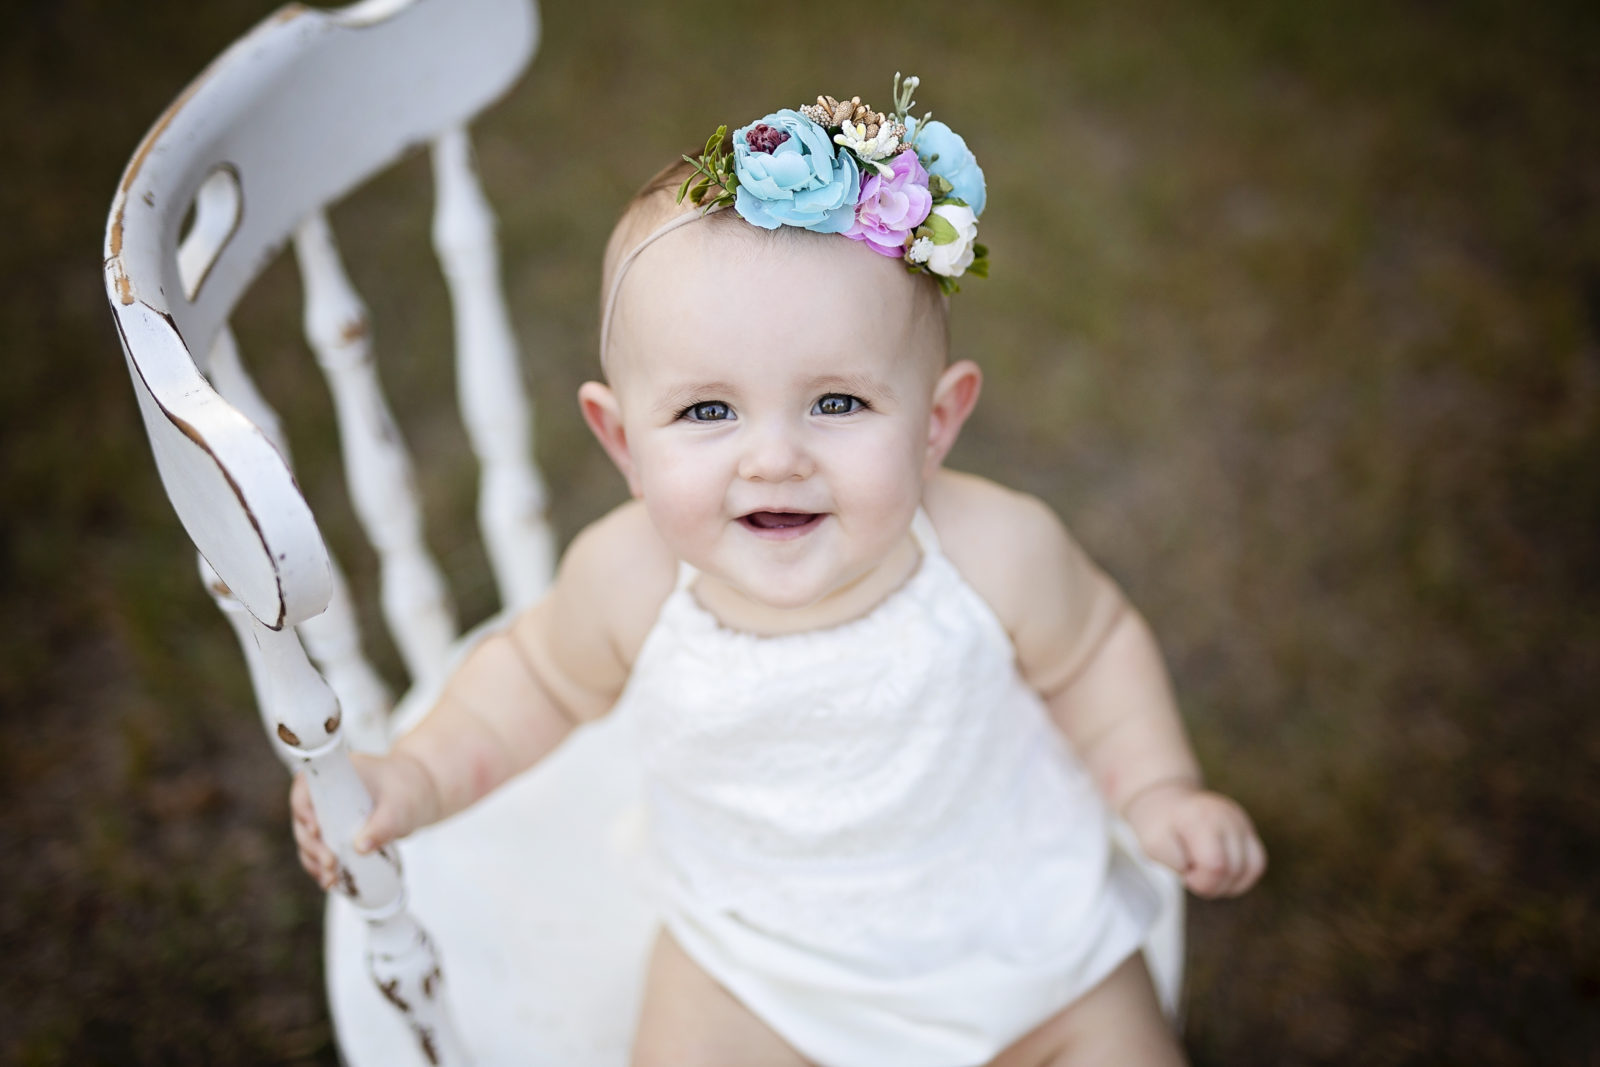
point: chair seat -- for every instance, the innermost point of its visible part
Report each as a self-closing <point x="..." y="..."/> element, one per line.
<point x="541" y="920"/>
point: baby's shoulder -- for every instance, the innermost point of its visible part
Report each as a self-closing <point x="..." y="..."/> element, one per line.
<point x="619" y="572"/>
<point x="1010" y="546"/>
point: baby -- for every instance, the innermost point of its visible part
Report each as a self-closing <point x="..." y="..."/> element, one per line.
<point x="887" y="710"/>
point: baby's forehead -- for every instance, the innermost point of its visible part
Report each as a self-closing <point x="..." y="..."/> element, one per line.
<point x="724" y="265"/>
<point x="716" y="280"/>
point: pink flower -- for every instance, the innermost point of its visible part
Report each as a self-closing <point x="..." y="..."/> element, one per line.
<point x="892" y="205"/>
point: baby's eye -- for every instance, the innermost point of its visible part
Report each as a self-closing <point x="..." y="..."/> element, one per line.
<point x="837" y="404"/>
<point x="707" y="411"/>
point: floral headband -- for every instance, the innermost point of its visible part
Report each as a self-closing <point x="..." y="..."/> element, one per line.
<point x="910" y="189"/>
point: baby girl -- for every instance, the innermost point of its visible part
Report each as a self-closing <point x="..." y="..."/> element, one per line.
<point x="888" y="711"/>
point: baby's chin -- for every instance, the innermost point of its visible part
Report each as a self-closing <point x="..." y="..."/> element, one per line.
<point x="768" y="603"/>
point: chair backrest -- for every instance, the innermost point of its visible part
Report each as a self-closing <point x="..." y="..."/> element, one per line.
<point x="293" y="116"/>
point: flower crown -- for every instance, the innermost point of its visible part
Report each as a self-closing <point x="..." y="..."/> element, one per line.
<point x="909" y="188"/>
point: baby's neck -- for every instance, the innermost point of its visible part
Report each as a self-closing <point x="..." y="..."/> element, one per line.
<point x="736" y="611"/>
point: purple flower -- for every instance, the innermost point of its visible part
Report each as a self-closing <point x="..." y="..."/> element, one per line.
<point x="892" y="205"/>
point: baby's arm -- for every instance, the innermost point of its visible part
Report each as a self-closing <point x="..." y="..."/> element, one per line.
<point x="522" y="690"/>
<point x="1096" y="664"/>
<point x="1119" y="715"/>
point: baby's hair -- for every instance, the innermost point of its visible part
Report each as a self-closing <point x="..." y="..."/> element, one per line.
<point x="656" y="202"/>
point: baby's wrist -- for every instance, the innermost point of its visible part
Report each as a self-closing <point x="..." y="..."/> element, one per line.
<point x="428" y="799"/>
<point x="1185" y="782"/>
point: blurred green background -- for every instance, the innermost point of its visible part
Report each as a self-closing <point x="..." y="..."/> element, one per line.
<point x="1295" y="317"/>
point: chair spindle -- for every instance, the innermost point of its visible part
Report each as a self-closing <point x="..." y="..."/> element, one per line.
<point x="302" y="712"/>
<point x="494" y="404"/>
<point x="416" y="603"/>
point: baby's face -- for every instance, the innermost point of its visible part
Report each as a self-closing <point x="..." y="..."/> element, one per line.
<point x="774" y="399"/>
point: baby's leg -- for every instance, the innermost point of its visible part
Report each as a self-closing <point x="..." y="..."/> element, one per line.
<point x="1118" y="1023"/>
<point x="688" y="1019"/>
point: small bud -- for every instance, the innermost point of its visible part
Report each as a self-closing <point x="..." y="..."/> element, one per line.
<point x="764" y="138"/>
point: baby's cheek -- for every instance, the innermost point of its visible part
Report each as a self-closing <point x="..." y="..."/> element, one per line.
<point x="680" y="504"/>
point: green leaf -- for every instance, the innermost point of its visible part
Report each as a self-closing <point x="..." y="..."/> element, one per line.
<point x="939" y="230"/>
<point x="978" y="267"/>
<point x="939" y="186"/>
<point x="698" y="193"/>
<point x="683" y="189"/>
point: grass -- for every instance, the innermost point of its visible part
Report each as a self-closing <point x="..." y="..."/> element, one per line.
<point x="1295" y="316"/>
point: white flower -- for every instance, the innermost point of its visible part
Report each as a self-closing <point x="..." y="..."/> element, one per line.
<point x="958" y="227"/>
<point x="854" y="137"/>
<point x="920" y="250"/>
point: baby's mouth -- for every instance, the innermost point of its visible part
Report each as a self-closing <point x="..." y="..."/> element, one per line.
<point x="780" y="522"/>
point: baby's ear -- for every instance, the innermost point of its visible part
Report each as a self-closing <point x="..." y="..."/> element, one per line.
<point x="604" y="416"/>
<point x="954" y="395"/>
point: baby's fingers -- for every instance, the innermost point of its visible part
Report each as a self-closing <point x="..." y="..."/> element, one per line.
<point x="1209" y="870"/>
<point x="1253" y="862"/>
<point x="1166" y="848"/>
<point x="382" y="826"/>
<point x="320" y="863"/>
<point x="300" y="809"/>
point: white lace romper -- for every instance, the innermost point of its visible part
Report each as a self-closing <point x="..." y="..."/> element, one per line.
<point x="872" y="835"/>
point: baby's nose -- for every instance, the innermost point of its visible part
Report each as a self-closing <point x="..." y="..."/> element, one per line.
<point x="773" y="453"/>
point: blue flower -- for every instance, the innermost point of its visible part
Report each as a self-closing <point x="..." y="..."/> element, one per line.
<point x="955" y="162"/>
<point x="794" y="176"/>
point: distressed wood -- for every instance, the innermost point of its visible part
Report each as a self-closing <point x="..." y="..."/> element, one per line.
<point x="332" y="638"/>
<point x="404" y="966"/>
<point x="499" y="421"/>
<point x="401" y="73"/>
<point x="292" y="116"/>
<point x="301" y="712"/>
<point x="416" y="604"/>
<point x="228" y="484"/>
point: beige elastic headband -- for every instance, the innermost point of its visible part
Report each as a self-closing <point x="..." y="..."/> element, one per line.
<point x="627" y="261"/>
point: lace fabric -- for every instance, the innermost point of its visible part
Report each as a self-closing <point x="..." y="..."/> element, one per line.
<point x="887" y="793"/>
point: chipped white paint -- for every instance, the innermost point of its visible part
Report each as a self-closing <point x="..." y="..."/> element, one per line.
<point x="334" y="641"/>
<point x="511" y="499"/>
<point x="308" y="105"/>
<point x="332" y="638"/>
<point x="378" y="474"/>
<point x="405" y="968"/>
<point x="303" y="715"/>
<point x="228" y="484"/>
<point x="216" y="215"/>
<point x="240" y="619"/>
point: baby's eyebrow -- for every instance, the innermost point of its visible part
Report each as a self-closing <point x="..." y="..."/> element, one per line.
<point x="854" y="383"/>
<point x="679" y="397"/>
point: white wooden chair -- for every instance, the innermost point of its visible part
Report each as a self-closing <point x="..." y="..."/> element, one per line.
<point x="541" y="930"/>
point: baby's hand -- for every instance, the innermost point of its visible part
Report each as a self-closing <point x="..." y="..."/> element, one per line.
<point x="403" y="799"/>
<point x="1204" y="836"/>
